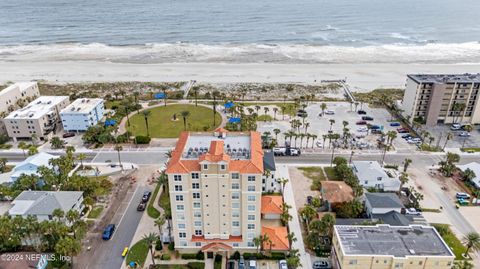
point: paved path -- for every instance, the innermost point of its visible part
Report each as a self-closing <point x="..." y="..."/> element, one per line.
<point x="294" y="224"/>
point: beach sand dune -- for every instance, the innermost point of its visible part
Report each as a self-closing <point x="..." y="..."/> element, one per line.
<point x="361" y="77"/>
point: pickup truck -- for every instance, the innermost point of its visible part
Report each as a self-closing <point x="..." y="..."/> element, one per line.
<point x="285" y="152"/>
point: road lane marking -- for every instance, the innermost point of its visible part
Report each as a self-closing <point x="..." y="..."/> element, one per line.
<point x="126" y="209"/>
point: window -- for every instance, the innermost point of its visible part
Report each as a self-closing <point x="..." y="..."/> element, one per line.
<point x="235" y="214"/>
<point x="251" y="178"/>
<point x="196" y="205"/>
<point x="197" y="223"/>
<point x="251" y="226"/>
<point x="379" y="178"/>
<point x="235" y="176"/>
<point x="235" y="195"/>
<point x="400" y="265"/>
<point x="197" y="214"/>
<point x="181" y="226"/>
<point x="235" y="186"/>
<point x="183" y="243"/>
<point x="195" y="185"/>
<point x="205" y="167"/>
<point x="198" y="244"/>
<point x="198" y="232"/>
<point x="251" y="207"/>
<point x="236" y="223"/>
<point x="196" y="195"/>
<point x="195" y="176"/>
<point x="223" y="167"/>
<point x="178" y="188"/>
<point x="180" y="207"/>
<point x="352" y="262"/>
<point x="182" y="235"/>
<point x="178" y="197"/>
<point x="251" y="198"/>
<point x="251" y="217"/>
<point x="235" y="205"/>
<point x="235" y="244"/>
<point x="251" y="188"/>
<point x="177" y="178"/>
<point x="250" y="244"/>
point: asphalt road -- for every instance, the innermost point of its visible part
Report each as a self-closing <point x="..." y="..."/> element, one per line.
<point x="108" y="255"/>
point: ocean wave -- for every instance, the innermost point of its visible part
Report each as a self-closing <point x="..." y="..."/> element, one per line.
<point x="457" y="53"/>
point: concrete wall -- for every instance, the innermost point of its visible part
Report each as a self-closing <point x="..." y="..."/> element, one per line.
<point x="435" y="104"/>
<point x="409" y="98"/>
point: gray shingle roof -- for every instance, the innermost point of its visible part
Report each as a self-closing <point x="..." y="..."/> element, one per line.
<point x="384" y="200"/>
<point x="44" y="202"/>
<point x="269" y="160"/>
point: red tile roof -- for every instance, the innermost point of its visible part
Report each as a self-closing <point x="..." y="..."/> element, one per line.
<point x="252" y="166"/>
<point x="278" y="236"/>
<point x="215" y="246"/>
<point x="272" y="204"/>
<point x="336" y="192"/>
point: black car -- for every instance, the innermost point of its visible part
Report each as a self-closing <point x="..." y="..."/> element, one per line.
<point x="367" y="118"/>
<point x="362" y="112"/>
<point x="67" y="135"/>
<point x="146" y="196"/>
<point x="141" y="206"/>
<point x="302" y="113"/>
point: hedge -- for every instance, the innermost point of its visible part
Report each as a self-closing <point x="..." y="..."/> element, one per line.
<point x="260" y="256"/>
<point x="193" y="256"/>
<point x="141" y="139"/>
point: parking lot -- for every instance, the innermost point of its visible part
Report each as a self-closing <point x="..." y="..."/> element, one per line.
<point x="440" y="133"/>
<point x="320" y="125"/>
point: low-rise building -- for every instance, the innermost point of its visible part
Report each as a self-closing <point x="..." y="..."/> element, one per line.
<point x="475" y="168"/>
<point x="82" y="113"/>
<point x="371" y="175"/>
<point x="335" y="193"/>
<point x="30" y="165"/>
<point x="269" y="180"/>
<point x="41" y="204"/>
<point x="385" y="246"/>
<point x="271" y="206"/>
<point x="40" y="118"/>
<point x="14" y="97"/>
<point x="381" y="203"/>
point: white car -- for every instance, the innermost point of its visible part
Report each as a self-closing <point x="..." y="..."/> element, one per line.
<point x="330" y="112"/>
<point x="413" y="211"/>
<point x="362" y="129"/>
<point x="464" y="134"/>
<point x="252" y="264"/>
<point x="414" y="140"/>
<point x="456" y="126"/>
<point x="319" y="144"/>
<point x="282" y="264"/>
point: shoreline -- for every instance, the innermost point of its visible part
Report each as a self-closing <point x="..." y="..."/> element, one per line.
<point x="360" y="77"/>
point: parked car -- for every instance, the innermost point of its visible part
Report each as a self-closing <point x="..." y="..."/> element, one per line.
<point x="361" y="122"/>
<point x="456" y="126"/>
<point x="330" y="112"/>
<point x="146" y="196"/>
<point x="302" y="113"/>
<point x="414" y="140"/>
<point x="321" y="265"/>
<point x="108" y="232"/>
<point x="252" y="264"/>
<point x="395" y="124"/>
<point x="241" y="263"/>
<point x="362" y="112"/>
<point x="367" y="118"/>
<point x="362" y="129"/>
<point x="462" y="201"/>
<point x="282" y="264"/>
<point x="67" y="135"/>
<point x="464" y="134"/>
<point x="141" y="206"/>
<point x="413" y="211"/>
<point x="407" y="136"/>
<point x="402" y="130"/>
<point x="319" y="144"/>
<point x="375" y="127"/>
<point x="125" y="251"/>
<point x="462" y="195"/>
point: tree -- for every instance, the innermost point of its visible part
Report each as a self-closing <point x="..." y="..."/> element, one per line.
<point x="275" y="110"/>
<point x="185" y="115"/>
<point x="68" y="247"/>
<point x="58" y="214"/>
<point x="32" y="150"/>
<point x="308" y="213"/>
<point x="323" y="107"/>
<point x="266" y="109"/>
<point x="293" y="260"/>
<point x="81" y="157"/>
<point x="159" y="222"/>
<point x="447" y="166"/>
<point x="276" y="131"/>
<point x="119" y="148"/>
<point x="468" y="174"/>
<point x="3" y="165"/>
<point x="463" y="265"/>
<point x="457" y="108"/>
<point x="150" y="240"/>
<point x="257" y="241"/>
<point x="468" y="129"/>
<point x="283" y="182"/>
<point x="23" y="146"/>
<point x="472" y="242"/>
<point x="403" y="179"/>
<point x="146" y="114"/>
<point x="449" y="137"/>
<point x="285" y="217"/>
<point x="56" y="142"/>
<point x="34" y="139"/>
<point x="406" y="163"/>
<point x="127" y="106"/>
<point x="332" y="122"/>
<point x="291" y="238"/>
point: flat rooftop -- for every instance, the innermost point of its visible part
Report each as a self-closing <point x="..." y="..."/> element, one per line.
<point x="236" y="145"/>
<point x="445" y="78"/>
<point x="22" y="86"/>
<point x="397" y="241"/>
<point x="37" y="108"/>
<point x="82" y="105"/>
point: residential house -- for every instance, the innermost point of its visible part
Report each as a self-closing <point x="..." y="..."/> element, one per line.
<point x="271" y="206"/>
<point x="30" y="165"/>
<point x="382" y="203"/>
<point x="269" y="181"/>
<point x="334" y="193"/>
<point x="371" y="175"/>
<point x="475" y="167"/>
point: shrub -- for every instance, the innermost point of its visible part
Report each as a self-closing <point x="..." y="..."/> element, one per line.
<point x="196" y="265"/>
<point x="171" y="246"/>
<point x="158" y="245"/>
<point x="189" y="256"/>
<point x="236" y="255"/>
<point x="200" y="255"/>
<point x="166" y="257"/>
<point x="141" y="139"/>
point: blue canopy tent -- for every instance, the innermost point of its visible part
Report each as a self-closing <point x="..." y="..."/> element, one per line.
<point x="229" y="105"/>
<point x="110" y="122"/>
<point x="159" y="95"/>
<point x="234" y="120"/>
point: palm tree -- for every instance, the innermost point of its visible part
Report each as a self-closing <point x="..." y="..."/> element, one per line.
<point x="403" y="179"/>
<point x="185" y="115"/>
<point x="449" y="137"/>
<point x="68" y="247"/>
<point x="332" y="121"/>
<point x="291" y="238"/>
<point x="34" y="139"/>
<point x="32" y="150"/>
<point x="276" y="131"/>
<point x="126" y="105"/>
<point x="406" y="163"/>
<point x="81" y="157"/>
<point x="257" y="241"/>
<point x="285" y="217"/>
<point x="58" y="214"/>
<point x="275" y="110"/>
<point x="306" y="125"/>
<point x="308" y="213"/>
<point x="463" y="265"/>
<point x="472" y="242"/>
<point x="23" y="146"/>
<point x="146" y="114"/>
<point x="468" y="174"/>
<point x="323" y="107"/>
<point x="150" y="240"/>
<point x="119" y="148"/>
<point x="159" y="222"/>
<point x="283" y="182"/>
<point x="257" y="108"/>
<point x="302" y="136"/>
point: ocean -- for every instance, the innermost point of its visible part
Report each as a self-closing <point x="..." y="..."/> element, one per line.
<point x="245" y="31"/>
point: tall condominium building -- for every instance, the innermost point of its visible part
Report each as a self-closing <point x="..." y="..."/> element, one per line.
<point x="82" y="113"/>
<point x="442" y="98"/>
<point x="15" y="96"/>
<point x="39" y="118"/>
<point x="388" y="247"/>
<point x="215" y="184"/>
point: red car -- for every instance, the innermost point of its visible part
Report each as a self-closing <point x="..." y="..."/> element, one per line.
<point x="361" y="122"/>
<point x="402" y="130"/>
<point x="66" y="135"/>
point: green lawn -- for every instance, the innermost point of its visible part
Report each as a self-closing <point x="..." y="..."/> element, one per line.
<point x="151" y="210"/>
<point x="137" y="253"/>
<point x="164" y="202"/>
<point x="316" y="174"/>
<point x="96" y="211"/>
<point x="470" y="149"/>
<point x="264" y="117"/>
<point x="331" y="174"/>
<point x="452" y="241"/>
<point x="190" y="265"/>
<point x="161" y="124"/>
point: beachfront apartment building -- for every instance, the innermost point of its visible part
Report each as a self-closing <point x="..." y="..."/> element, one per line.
<point x="387" y="247"/>
<point x="40" y="117"/>
<point x="442" y="98"/>
<point x="82" y="113"/>
<point x="15" y="96"/>
<point x="215" y="185"/>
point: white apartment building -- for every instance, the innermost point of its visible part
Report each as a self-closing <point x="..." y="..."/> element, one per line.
<point x="215" y="184"/>
<point x="15" y="96"/>
<point x="82" y="113"/>
<point x="436" y="98"/>
<point x="40" y="118"/>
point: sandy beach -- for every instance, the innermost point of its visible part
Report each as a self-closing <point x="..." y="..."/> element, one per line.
<point x="360" y="77"/>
